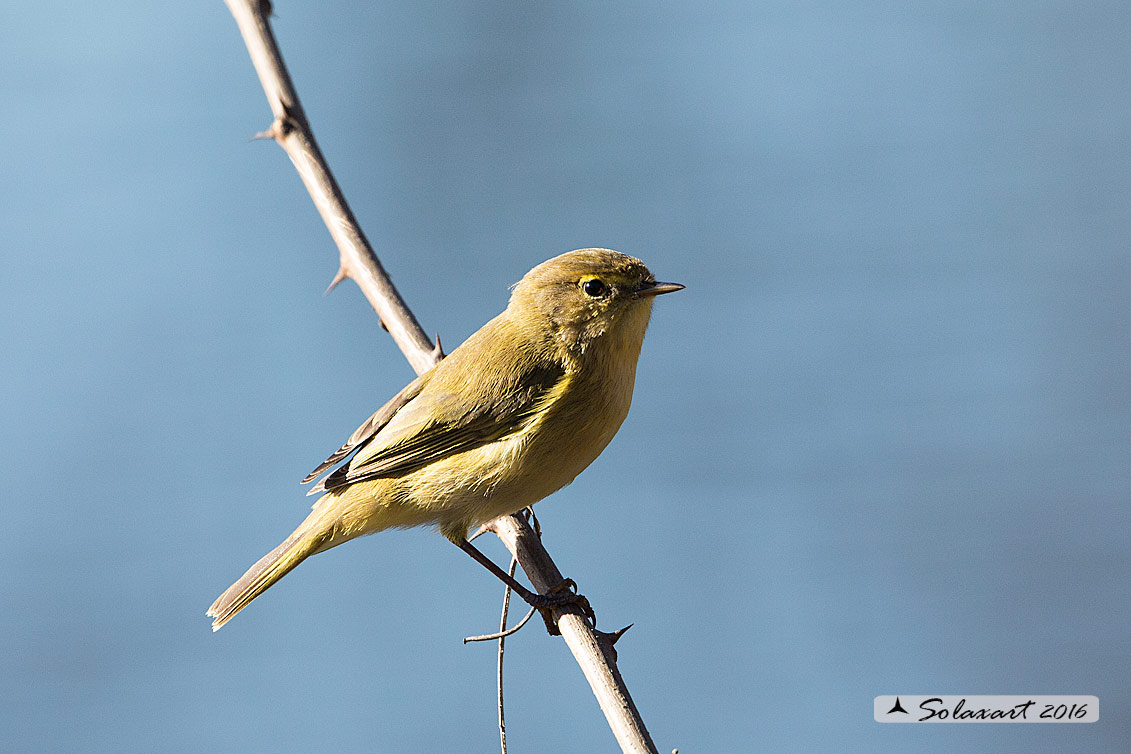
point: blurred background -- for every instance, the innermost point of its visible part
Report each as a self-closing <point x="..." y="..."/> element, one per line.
<point x="879" y="445"/>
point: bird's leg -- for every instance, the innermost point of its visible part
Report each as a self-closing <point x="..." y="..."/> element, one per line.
<point x="561" y="595"/>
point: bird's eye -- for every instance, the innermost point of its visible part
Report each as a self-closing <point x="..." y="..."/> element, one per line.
<point x="594" y="288"/>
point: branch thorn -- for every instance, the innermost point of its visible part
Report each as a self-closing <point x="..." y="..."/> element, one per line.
<point x="614" y="637"/>
<point x="339" y="276"/>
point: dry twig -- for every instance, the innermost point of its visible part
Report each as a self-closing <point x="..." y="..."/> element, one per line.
<point x="592" y="649"/>
<point x="502" y="648"/>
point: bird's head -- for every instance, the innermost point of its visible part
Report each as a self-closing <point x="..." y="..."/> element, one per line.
<point x="583" y="296"/>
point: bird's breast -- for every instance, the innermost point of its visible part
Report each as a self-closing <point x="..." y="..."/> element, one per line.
<point x="579" y="422"/>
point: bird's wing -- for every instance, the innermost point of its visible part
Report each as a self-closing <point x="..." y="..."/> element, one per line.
<point x="372" y="425"/>
<point x="434" y="425"/>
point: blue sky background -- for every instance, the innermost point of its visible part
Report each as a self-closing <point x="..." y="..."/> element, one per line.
<point x="880" y="444"/>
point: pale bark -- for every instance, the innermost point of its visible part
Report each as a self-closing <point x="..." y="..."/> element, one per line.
<point x="592" y="649"/>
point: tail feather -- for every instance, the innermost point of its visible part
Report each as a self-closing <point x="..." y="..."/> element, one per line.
<point x="269" y="569"/>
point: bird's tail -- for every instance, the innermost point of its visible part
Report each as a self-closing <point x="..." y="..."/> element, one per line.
<point x="308" y="539"/>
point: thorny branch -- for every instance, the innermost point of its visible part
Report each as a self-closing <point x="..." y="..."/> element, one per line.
<point x="592" y="649"/>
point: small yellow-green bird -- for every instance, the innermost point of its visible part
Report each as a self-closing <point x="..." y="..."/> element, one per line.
<point x="513" y="414"/>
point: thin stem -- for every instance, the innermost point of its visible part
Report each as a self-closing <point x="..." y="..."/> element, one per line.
<point x="512" y="630"/>
<point x="502" y="648"/>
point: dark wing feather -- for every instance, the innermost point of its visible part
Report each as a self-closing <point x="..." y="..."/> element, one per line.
<point x="440" y="426"/>
<point x="372" y="425"/>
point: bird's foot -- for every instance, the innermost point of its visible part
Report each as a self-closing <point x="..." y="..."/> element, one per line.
<point x="562" y="595"/>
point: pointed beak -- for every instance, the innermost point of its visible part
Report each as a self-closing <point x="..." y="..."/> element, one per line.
<point x="655" y="289"/>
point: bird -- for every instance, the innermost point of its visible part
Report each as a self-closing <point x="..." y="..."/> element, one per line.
<point x="512" y="415"/>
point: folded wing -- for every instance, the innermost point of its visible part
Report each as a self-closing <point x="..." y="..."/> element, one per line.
<point x="371" y="426"/>
<point x="421" y="426"/>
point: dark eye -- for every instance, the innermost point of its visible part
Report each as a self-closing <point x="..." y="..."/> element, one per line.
<point x="594" y="288"/>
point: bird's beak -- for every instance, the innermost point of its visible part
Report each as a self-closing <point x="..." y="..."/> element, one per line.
<point x="655" y="289"/>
